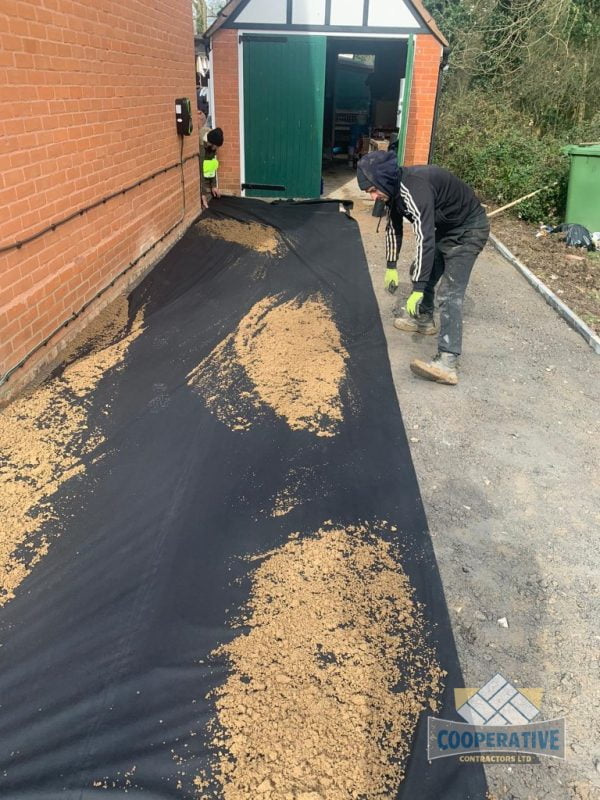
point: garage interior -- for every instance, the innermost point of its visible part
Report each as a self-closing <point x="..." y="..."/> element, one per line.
<point x="363" y="90"/>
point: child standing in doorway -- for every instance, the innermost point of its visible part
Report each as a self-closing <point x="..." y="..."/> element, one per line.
<point x="209" y="165"/>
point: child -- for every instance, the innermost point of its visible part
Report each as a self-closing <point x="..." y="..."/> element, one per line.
<point x="209" y="164"/>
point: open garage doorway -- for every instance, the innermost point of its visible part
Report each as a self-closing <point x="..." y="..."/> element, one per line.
<point x="366" y="87"/>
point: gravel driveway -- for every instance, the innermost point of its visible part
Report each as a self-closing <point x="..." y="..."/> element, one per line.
<point x="508" y="465"/>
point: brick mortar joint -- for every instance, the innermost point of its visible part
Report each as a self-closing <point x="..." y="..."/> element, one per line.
<point x="47" y="358"/>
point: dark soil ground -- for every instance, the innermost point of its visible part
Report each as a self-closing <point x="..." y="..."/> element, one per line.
<point x="571" y="272"/>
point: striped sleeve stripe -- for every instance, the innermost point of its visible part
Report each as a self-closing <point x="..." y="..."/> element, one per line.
<point x="391" y="245"/>
<point x="390" y="237"/>
<point x="414" y="211"/>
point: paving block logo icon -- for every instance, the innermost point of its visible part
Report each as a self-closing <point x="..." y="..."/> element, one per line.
<point x="498" y="703"/>
<point x="500" y="725"/>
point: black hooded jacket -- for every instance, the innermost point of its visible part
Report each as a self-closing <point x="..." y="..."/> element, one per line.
<point x="432" y="199"/>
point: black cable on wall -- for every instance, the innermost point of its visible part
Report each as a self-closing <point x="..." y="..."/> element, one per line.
<point x="17" y="245"/>
<point x="80" y="212"/>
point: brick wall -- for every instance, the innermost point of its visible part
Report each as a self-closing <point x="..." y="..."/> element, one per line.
<point x="86" y="107"/>
<point x="428" y="54"/>
<point x="227" y="114"/>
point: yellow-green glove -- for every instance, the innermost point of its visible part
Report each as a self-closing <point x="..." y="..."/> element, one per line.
<point x="391" y="280"/>
<point x="412" y="304"/>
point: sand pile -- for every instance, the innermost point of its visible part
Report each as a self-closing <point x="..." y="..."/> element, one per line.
<point x="105" y="329"/>
<point x="253" y="235"/>
<point x="287" y="356"/>
<point x="43" y="438"/>
<point x="326" y="687"/>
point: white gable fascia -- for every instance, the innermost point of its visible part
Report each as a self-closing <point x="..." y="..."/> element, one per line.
<point x="308" y="12"/>
<point x="381" y="14"/>
<point x="347" y="12"/>
<point x="264" y="12"/>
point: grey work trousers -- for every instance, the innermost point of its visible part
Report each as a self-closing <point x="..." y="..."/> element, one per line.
<point x="455" y="255"/>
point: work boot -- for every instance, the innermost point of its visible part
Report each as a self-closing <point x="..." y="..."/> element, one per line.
<point x="441" y="368"/>
<point x="423" y="323"/>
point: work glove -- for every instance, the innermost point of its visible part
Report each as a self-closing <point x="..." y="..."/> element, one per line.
<point x="391" y="279"/>
<point x="412" y="304"/>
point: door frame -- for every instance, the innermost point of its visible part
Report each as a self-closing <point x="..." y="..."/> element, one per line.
<point x="404" y="98"/>
<point x="241" y="112"/>
<point x="405" y="82"/>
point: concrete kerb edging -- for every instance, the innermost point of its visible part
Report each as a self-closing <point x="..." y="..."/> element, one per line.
<point x="557" y="304"/>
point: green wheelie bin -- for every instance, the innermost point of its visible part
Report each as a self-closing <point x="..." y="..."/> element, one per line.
<point x="583" y="198"/>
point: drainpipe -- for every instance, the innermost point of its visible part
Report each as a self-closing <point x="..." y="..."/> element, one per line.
<point x="443" y="68"/>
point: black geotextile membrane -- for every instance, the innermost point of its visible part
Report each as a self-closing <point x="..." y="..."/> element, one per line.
<point x="105" y="649"/>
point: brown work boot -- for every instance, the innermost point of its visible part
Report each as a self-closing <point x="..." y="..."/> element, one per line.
<point x="441" y="368"/>
<point x="424" y="323"/>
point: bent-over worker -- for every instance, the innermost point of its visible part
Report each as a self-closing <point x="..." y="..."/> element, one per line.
<point x="451" y="229"/>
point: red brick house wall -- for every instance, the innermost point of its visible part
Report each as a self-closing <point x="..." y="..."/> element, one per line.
<point x="87" y="96"/>
<point x="227" y="106"/>
<point x="426" y="67"/>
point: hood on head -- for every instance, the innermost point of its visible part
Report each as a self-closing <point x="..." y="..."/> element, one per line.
<point x="381" y="170"/>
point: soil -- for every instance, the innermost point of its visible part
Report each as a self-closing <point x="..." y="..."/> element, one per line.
<point x="572" y="273"/>
<point x="309" y="710"/>
<point x="105" y="329"/>
<point x="286" y="356"/>
<point x="44" y="440"/>
<point x="253" y="235"/>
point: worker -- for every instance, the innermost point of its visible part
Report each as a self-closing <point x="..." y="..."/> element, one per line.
<point x="451" y="229"/>
<point x="209" y="164"/>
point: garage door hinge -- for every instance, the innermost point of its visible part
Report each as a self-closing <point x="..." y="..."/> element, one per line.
<point x="267" y="187"/>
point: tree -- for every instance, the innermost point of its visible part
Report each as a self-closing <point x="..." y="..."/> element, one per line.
<point x="199" y="12"/>
<point x="538" y="56"/>
<point x="524" y="80"/>
<point x="215" y="7"/>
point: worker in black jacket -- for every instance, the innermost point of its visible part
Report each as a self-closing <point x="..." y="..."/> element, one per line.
<point x="451" y="229"/>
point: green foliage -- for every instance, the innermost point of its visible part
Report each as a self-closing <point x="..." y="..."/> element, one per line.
<point x="199" y="14"/>
<point x="364" y="58"/>
<point x="523" y="81"/>
<point x="541" y="57"/>
<point x="494" y="149"/>
<point x="586" y="132"/>
<point x="453" y="17"/>
<point x="215" y="7"/>
<point x="586" y="21"/>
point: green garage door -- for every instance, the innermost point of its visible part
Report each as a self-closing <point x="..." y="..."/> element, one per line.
<point x="284" y="87"/>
